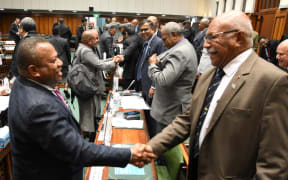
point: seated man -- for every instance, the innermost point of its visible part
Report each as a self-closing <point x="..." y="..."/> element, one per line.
<point x="268" y="49"/>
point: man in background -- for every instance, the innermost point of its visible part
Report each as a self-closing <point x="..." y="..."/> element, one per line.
<point x="268" y="49"/>
<point x="45" y="137"/>
<point x="155" y="21"/>
<point x="62" y="47"/>
<point x="199" y="38"/>
<point x="106" y="40"/>
<point x="188" y="31"/>
<point x="13" y="31"/>
<point x="63" y="30"/>
<point x="173" y="73"/>
<point x="282" y="55"/>
<point x="80" y="29"/>
<point x="27" y="29"/>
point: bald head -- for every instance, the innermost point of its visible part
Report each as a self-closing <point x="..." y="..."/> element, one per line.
<point x="135" y="22"/>
<point x="236" y="20"/>
<point x="154" y="20"/>
<point x="282" y="54"/>
<point x="90" y="38"/>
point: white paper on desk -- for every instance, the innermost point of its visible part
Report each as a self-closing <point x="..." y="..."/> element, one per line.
<point x="4" y="102"/>
<point x="123" y="123"/>
<point x="133" y="102"/>
<point x="96" y="173"/>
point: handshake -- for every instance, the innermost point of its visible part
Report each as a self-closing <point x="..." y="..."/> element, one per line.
<point x="118" y="58"/>
<point x="142" y="154"/>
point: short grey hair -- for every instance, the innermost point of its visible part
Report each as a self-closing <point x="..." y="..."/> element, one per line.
<point x="205" y="21"/>
<point x="28" y="24"/>
<point x="173" y="27"/>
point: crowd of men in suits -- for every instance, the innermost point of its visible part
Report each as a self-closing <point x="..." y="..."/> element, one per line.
<point x="237" y="108"/>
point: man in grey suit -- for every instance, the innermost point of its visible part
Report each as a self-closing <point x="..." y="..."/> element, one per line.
<point x="173" y="73"/>
<point x="90" y="109"/>
<point x="237" y="121"/>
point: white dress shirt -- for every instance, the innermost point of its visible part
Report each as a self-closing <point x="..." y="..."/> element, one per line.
<point x="230" y="69"/>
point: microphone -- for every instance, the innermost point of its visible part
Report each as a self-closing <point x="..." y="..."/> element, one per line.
<point x="132" y="82"/>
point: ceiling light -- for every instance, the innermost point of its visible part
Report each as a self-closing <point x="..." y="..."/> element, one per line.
<point x="163" y="14"/>
<point x="2" y="9"/>
<point x="138" y="14"/>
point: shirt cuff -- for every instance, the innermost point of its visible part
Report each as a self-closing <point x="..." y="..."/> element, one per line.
<point x="153" y="87"/>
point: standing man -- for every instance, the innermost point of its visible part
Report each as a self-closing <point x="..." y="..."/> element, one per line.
<point x="90" y="109"/>
<point x="27" y="29"/>
<point x="188" y="31"/>
<point x="92" y="26"/>
<point x="45" y="137"/>
<point x="155" y="21"/>
<point x="237" y="121"/>
<point x="152" y="45"/>
<point x="62" y="47"/>
<point x="13" y="31"/>
<point x="173" y="73"/>
<point x="282" y="55"/>
<point x="63" y="30"/>
<point x="80" y="29"/>
<point x="106" y="40"/>
<point x="199" y="38"/>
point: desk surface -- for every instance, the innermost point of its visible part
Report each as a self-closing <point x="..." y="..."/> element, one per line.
<point x="124" y="136"/>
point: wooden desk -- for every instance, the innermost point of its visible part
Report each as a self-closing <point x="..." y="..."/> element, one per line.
<point x="124" y="136"/>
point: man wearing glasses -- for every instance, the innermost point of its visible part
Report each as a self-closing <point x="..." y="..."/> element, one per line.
<point x="237" y="121"/>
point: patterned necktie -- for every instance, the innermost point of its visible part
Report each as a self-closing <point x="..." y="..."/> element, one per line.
<point x="194" y="150"/>
<point x="210" y="93"/>
<point x="142" y="61"/>
<point x="57" y="92"/>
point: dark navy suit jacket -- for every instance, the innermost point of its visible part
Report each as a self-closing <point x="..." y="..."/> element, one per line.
<point x="45" y="137"/>
<point x="156" y="46"/>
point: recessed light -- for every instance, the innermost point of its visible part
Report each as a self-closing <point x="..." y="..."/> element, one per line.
<point x="50" y="10"/>
<point x="138" y="14"/>
<point x="74" y="11"/>
<point x="2" y="9"/>
<point x="163" y="14"/>
<point x="113" y="12"/>
<point x="25" y="9"/>
<point x="187" y="16"/>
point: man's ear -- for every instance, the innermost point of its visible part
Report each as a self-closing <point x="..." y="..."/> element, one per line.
<point x="33" y="71"/>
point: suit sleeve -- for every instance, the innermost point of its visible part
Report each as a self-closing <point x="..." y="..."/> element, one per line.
<point x="90" y="59"/>
<point x="174" y="66"/>
<point x="68" y="51"/>
<point x="173" y="134"/>
<point x="272" y="161"/>
<point x="13" y="28"/>
<point x="53" y="131"/>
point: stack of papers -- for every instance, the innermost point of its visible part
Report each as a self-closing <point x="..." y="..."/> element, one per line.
<point x="4" y="102"/>
<point x="133" y="102"/>
<point x="128" y="124"/>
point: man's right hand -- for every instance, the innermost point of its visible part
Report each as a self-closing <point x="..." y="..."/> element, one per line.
<point x="142" y="154"/>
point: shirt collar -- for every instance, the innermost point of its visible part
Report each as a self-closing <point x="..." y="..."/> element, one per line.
<point x="234" y="65"/>
<point x="44" y="86"/>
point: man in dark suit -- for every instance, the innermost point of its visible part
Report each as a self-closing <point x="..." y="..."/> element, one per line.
<point x="237" y="121"/>
<point x="152" y="45"/>
<point x="268" y="49"/>
<point x="106" y="40"/>
<point x="132" y="49"/>
<point x="199" y="37"/>
<point x="80" y="29"/>
<point x="13" y="31"/>
<point x="27" y="29"/>
<point x="188" y="31"/>
<point x="62" y="47"/>
<point x="155" y="21"/>
<point x="46" y="142"/>
<point x="63" y="30"/>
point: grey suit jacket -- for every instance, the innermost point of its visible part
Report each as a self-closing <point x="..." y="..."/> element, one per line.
<point x="247" y="136"/>
<point x="173" y="76"/>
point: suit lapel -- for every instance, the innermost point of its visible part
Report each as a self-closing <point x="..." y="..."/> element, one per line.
<point x="236" y="83"/>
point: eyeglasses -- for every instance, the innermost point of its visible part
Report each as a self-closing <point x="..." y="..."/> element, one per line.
<point x="144" y="29"/>
<point x="210" y="37"/>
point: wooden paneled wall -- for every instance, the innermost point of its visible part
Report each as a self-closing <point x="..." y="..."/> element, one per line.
<point x="280" y="24"/>
<point x="44" y="22"/>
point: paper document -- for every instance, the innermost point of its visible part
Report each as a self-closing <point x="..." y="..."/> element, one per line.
<point x="133" y="102"/>
<point x="123" y="123"/>
<point x="4" y="102"/>
<point x="96" y="173"/>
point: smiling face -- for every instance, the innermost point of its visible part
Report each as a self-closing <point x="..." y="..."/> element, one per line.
<point x="49" y="66"/>
<point x="282" y="54"/>
<point x="146" y="31"/>
<point x="222" y="47"/>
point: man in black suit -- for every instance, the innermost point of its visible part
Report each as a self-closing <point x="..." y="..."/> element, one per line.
<point x="13" y="31"/>
<point x="198" y="41"/>
<point x="132" y="46"/>
<point x="152" y="45"/>
<point x="106" y="40"/>
<point x="268" y="49"/>
<point x="27" y="29"/>
<point x="62" y="47"/>
<point x="189" y="33"/>
<point x="63" y="30"/>
<point x="80" y="29"/>
<point x="45" y="137"/>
